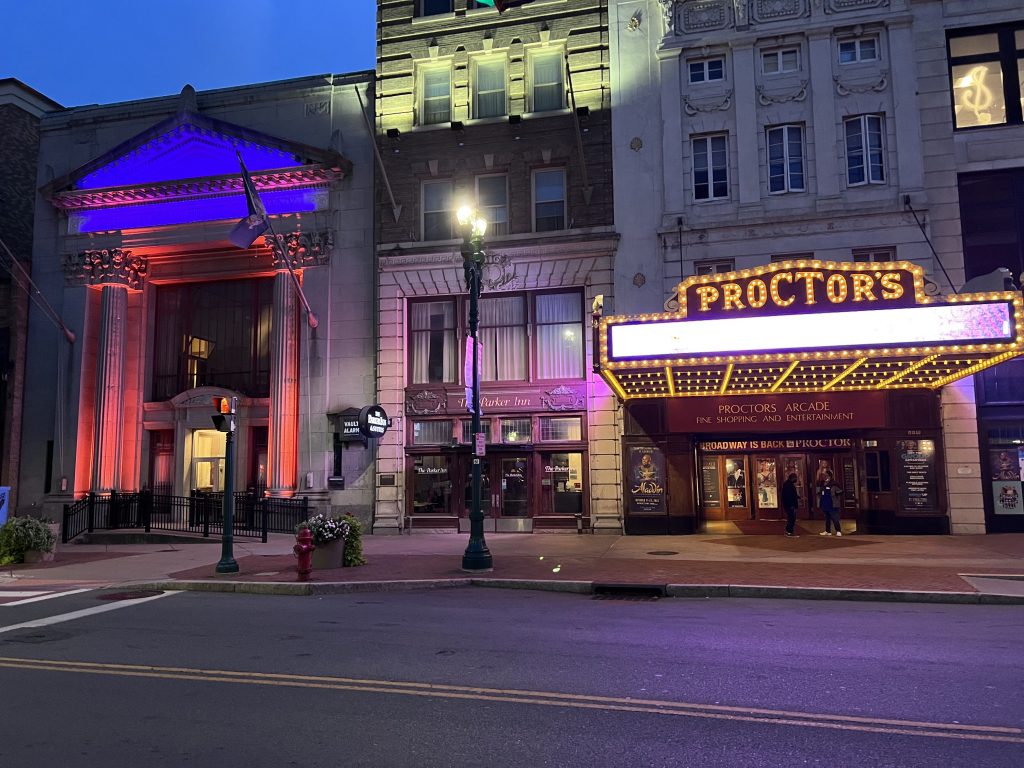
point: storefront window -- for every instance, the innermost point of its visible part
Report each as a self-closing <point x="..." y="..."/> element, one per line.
<point x="467" y="430"/>
<point x="432" y="487"/>
<point x="516" y="430"/>
<point x="559" y="336"/>
<point x="432" y="432"/>
<point x="736" y="481"/>
<point x="561" y="428"/>
<point x="435" y="354"/>
<point x="562" y="483"/>
<point x="710" y="488"/>
<point x="1006" y="469"/>
<point x="876" y="464"/>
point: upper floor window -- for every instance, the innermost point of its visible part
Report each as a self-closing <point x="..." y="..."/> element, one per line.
<point x="547" y="91"/>
<point x="706" y="70"/>
<point x="489" y="89"/>
<point x="436" y="100"/>
<point x="433" y="342"/>
<point x="433" y="7"/>
<point x="502" y="336"/>
<point x="549" y="200"/>
<point x="858" y="49"/>
<point x="785" y="159"/>
<point x="887" y="253"/>
<point x="711" y="167"/>
<point x="777" y="258"/>
<point x="780" y="61"/>
<point x="492" y="202"/>
<point x="559" y="320"/>
<point x="437" y="210"/>
<point x="986" y="70"/>
<point x="719" y="267"/>
<point x="865" y="159"/>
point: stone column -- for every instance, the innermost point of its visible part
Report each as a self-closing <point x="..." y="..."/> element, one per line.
<point x="283" y="435"/>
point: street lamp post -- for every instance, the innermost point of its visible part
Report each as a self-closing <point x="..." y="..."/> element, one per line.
<point x="476" y="557"/>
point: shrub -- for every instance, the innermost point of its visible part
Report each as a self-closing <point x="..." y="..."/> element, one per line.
<point x="20" y="534"/>
<point x="325" y="528"/>
<point x="354" y="542"/>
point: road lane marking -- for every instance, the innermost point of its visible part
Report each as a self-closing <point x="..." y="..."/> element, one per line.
<point x="37" y="596"/>
<point x="545" y="698"/>
<point x="62" y="617"/>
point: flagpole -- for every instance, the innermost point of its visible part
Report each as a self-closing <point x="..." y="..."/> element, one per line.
<point x="310" y="317"/>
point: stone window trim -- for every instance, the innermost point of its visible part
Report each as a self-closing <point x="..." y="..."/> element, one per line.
<point x="997" y="55"/>
<point x="705" y="69"/>
<point x="425" y="117"/>
<point x="788" y="138"/>
<point x="865" y="149"/>
<point x="858" y="49"/>
<point x="781" y="60"/>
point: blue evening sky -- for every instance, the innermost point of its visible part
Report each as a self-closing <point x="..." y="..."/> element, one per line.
<point x="99" y="51"/>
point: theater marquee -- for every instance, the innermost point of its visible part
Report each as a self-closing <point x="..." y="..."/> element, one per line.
<point x="809" y="326"/>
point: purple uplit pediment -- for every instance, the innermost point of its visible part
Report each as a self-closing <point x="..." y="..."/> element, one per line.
<point x="186" y="151"/>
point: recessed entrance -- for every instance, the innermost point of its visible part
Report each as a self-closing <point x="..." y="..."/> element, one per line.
<point x="206" y="466"/>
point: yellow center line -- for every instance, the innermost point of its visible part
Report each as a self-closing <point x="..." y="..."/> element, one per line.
<point x="544" y="698"/>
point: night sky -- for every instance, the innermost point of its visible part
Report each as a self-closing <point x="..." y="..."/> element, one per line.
<point x="101" y="51"/>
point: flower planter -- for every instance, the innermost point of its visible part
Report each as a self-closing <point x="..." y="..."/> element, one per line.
<point x="329" y="555"/>
<point x="38" y="556"/>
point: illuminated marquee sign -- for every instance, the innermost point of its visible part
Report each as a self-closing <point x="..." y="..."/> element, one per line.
<point x="809" y="326"/>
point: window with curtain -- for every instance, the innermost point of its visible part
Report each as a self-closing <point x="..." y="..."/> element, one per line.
<point x="437" y="97"/>
<point x="549" y="200"/>
<point x="711" y="167"/>
<point x="502" y="335"/>
<point x="554" y="429"/>
<point x="437" y="210"/>
<point x="435" y="354"/>
<point x="548" y="92"/>
<point x="489" y="96"/>
<point x="865" y="162"/>
<point x="786" y="159"/>
<point x="559" y="336"/>
<point x="492" y="202"/>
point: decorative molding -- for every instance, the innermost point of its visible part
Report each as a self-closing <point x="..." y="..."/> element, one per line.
<point x="839" y="6"/>
<point x="563" y="398"/>
<point x="668" y="12"/>
<point x="305" y="249"/>
<point x="111" y="266"/>
<point x="779" y="10"/>
<point x="425" y="403"/>
<point x="317" y="108"/>
<point x="766" y="99"/>
<point x="639" y="279"/>
<point x="498" y="275"/>
<point x="636" y="144"/>
<point x="719" y="106"/>
<point x="704" y="16"/>
<point x="844" y="89"/>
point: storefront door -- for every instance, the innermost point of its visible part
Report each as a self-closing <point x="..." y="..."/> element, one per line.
<point x="512" y="497"/>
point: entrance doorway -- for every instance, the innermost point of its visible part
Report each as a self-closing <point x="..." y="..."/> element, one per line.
<point x="504" y="493"/>
<point x="206" y="468"/>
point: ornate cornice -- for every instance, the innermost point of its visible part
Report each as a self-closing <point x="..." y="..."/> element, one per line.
<point x="843" y="89"/>
<point x="766" y="98"/>
<point x="111" y="266"/>
<point x="304" y="249"/>
<point x="719" y="106"/>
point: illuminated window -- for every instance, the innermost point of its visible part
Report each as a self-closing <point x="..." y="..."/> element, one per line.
<point x="437" y="210"/>
<point x="714" y="267"/>
<point x="517" y="430"/>
<point x="706" y="70"/>
<point x="559" y="333"/>
<point x="436" y="99"/>
<point x="711" y="167"/>
<point x="865" y="162"/>
<point x="986" y="72"/>
<point x="503" y="337"/>
<point x="780" y="60"/>
<point x="492" y="202"/>
<point x="433" y="336"/>
<point x="874" y="254"/>
<point x="858" y="49"/>
<point x="546" y="80"/>
<point x="489" y="89"/>
<point x="560" y="429"/>
<point x="549" y="200"/>
<point x="785" y="159"/>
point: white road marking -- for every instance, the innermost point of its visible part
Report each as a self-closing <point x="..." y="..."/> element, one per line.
<point x="61" y="618"/>
<point x="23" y="593"/>
<point x="35" y="597"/>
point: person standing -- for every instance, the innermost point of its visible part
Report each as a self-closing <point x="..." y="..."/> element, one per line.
<point x="828" y="500"/>
<point x="790" y="502"/>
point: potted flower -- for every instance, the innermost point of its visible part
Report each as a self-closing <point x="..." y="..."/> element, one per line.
<point x="329" y="534"/>
<point x="26" y="540"/>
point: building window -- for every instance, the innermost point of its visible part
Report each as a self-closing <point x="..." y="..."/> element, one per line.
<point x="864" y="155"/>
<point x="549" y="200"/>
<point x="437" y="210"/>
<point x="710" y="167"/>
<point x="431" y="485"/>
<point x="719" y="267"/>
<point x="777" y="258"/>
<point x="492" y="202"/>
<point x="559" y="325"/>
<point x="548" y="93"/>
<point x="986" y="71"/>
<point x="433" y="7"/>
<point x="502" y="335"/>
<point x="706" y="70"/>
<point x="992" y="220"/>
<point x="786" y="159"/>
<point x="876" y="465"/>
<point x="562" y="483"/>
<point x="432" y="432"/>
<point x="858" y="49"/>
<point x="868" y="255"/>
<point x="467" y="431"/>
<point x="517" y="430"/>
<point x="489" y="89"/>
<point x="780" y="60"/>
<point x="436" y="106"/>
<point x="435" y="352"/>
<point x="560" y="429"/>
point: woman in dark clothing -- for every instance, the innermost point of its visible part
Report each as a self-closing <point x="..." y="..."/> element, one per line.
<point x="790" y="501"/>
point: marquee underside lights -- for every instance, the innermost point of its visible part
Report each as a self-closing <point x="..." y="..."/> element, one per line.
<point x="809" y="326"/>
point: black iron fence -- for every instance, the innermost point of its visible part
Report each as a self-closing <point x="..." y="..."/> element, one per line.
<point x="199" y="513"/>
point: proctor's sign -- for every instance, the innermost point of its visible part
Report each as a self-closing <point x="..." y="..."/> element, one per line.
<point x="797" y="287"/>
<point x="778" y="413"/>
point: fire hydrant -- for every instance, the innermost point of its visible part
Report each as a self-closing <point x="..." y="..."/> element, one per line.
<point x="303" y="550"/>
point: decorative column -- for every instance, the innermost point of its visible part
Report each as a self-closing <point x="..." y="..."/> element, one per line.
<point x="115" y="271"/>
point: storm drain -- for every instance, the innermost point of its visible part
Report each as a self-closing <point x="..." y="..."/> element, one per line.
<point x="633" y="592"/>
<point x="136" y="595"/>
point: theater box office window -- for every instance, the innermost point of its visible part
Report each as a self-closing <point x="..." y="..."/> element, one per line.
<point x="800" y="367"/>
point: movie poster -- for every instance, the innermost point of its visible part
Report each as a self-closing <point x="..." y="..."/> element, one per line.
<point x="646" y="480"/>
<point x="767" y="485"/>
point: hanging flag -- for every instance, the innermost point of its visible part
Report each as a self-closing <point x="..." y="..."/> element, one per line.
<point x="255" y="224"/>
<point x="467" y="370"/>
<point x="503" y="5"/>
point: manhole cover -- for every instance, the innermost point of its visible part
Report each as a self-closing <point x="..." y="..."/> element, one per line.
<point x="663" y="552"/>
<point x="136" y="595"/>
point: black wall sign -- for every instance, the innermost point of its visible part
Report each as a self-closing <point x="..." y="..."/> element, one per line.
<point x="373" y="421"/>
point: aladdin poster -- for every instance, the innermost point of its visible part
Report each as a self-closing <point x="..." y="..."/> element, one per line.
<point x="646" y="480"/>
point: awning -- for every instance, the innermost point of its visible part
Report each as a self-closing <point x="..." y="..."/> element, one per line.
<point x="809" y="326"/>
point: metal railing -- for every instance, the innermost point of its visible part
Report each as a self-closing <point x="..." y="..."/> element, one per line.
<point x="199" y="513"/>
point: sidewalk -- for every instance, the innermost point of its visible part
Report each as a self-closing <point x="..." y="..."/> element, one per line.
<point x="910" y="568"/>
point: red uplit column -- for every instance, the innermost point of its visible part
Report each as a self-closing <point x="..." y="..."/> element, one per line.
<point x="106" y="467"/>
<point x="283" y="434"/>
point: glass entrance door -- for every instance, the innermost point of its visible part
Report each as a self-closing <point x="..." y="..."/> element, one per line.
<point x="208" y="475"/>
<point x="514" y="498"/>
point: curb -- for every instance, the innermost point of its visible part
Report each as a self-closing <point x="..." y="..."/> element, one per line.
<point x="303" y="589"/>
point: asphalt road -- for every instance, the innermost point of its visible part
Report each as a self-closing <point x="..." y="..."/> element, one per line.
<point x="479" y="677"/>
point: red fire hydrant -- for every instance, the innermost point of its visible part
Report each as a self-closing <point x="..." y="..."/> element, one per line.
<point x="303" y="550"/>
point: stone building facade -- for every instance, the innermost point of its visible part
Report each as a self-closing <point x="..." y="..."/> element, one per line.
<point x="510" y="113"/>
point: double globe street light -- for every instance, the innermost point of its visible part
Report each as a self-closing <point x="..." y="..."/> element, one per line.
<point x="477" y="557"/>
